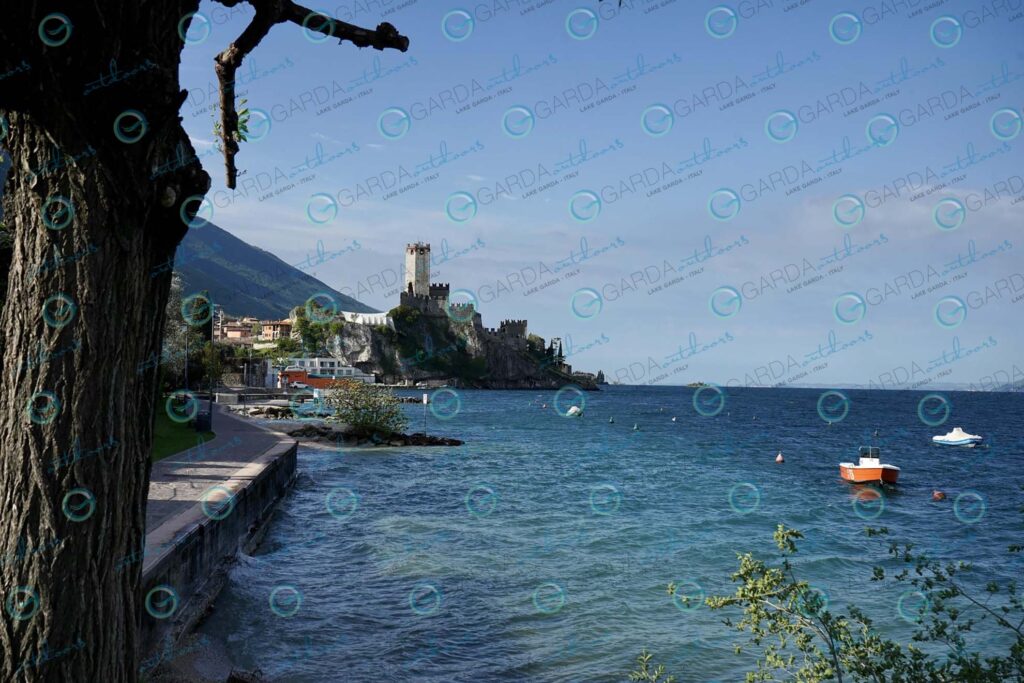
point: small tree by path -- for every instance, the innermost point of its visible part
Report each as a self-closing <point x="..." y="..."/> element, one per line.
<point x="366" y="408"/>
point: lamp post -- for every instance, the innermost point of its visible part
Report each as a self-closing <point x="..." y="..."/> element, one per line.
<point x="213" y="350"/>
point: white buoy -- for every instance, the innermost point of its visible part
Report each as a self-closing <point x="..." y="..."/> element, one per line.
<point x="636" y="427"/>
<point x="673" y="419"/>
<point x="611" y="420"/>
<point x="779" y="458"/>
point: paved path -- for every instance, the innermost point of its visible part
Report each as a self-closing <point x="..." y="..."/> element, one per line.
<point x="178" y="482"/>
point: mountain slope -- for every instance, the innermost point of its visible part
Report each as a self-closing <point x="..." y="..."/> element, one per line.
<point x="247" y="280"/>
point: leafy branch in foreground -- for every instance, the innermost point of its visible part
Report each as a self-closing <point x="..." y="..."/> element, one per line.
<point x="799" y="639"/>
<point x="644" y="674"/>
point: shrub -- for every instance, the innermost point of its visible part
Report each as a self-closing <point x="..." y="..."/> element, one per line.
<point x="366" y="408"/>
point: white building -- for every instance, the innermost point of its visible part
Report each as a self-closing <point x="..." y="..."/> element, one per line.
<point x="372" y="319"/>
<point x="329" y="367"/>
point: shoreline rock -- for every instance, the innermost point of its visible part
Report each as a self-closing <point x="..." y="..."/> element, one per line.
<point x="321" y="433"/>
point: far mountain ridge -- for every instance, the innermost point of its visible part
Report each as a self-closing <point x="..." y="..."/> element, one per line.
<point x="247" y="280"/>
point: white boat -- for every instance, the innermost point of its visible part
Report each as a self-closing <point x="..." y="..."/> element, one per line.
<point x="958" y="437"/>
<point x="574" y="411"/>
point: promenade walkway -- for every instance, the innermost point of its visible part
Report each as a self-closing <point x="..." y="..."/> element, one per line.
<point x="178" y="482"/>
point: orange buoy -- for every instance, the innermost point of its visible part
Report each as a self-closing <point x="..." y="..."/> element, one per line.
<point x="938" y="495"/>
<point x="779" y="458"/>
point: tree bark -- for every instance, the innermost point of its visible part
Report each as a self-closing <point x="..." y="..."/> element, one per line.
<point x="66" y="612"/>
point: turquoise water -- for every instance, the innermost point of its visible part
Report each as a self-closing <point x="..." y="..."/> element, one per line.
<point x="541" y="549"/>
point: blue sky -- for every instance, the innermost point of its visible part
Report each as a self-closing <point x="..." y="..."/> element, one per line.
<point x="692" y="114"/>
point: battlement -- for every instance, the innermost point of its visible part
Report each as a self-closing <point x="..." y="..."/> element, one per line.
<point x="417" y="248"/>
<point x="439" y="290"/>
<point x="514" y="328"/>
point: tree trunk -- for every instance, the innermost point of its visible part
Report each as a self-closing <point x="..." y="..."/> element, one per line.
<point x="67" y="611"/>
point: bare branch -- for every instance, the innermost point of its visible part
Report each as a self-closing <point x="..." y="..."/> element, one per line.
<point x="268" y="13"/>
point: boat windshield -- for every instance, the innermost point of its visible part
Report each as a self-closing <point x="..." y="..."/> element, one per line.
<point x="869" y="451"/>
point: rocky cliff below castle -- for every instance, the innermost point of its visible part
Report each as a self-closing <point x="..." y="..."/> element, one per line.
<point x="433" y="345"/>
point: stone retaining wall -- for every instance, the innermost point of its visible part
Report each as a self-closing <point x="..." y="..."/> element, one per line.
<point x="192" y="552"/>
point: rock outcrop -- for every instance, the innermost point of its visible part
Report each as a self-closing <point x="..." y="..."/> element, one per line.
<point x="427" y="347"/>
<point x="324" y="433"/>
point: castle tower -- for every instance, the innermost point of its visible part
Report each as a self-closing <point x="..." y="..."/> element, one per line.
<point x="417" y="268"/>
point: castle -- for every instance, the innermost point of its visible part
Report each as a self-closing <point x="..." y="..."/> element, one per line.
<point x="431" y="299"/>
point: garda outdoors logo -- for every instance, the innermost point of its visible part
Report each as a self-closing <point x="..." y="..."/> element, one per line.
<point x="425" y="599"/>
<point x="55" y="29"/>
<point x="781" y="126"/>
<point x="78" y="504"/>
<point x="721" y="21"/>
<point x="304" y="405"/>
<point x="586" y="303"/>
<point x="461" y="305"/>
<point x="22" y="603"/>
<point x="605" y="499"/>
<point x="950" y="312"/>
<point x="457" y="25"/>
<point x="197" y="309"/>
<point x="848" y="211"/>
<point x="849" y="308"/>
<point x="445" y="404"/>
<point x="200" y="208"/>
<point x="481" y="500"/>
<point x="161" y="602"/>
<point x="198" y="30"/>
<point x="1005" y="124"/>
<point x="657" y="120"/>
<point x="130" y="126"/>
<point x="321" y="208"/>
<point x="318" y="27"/>
<point x="58" y="212"/>
<point x="946" y="31"/>
<point x="869" y="503"/>
<point x="43" y="407"/>
<point x="708" y="400"/>
<point x="949" y="214"/>
<point x="912" y="606"/>
<point x="882" y="130"/>
<point x="342" y="503"/>
<point x="218" y="502"/>
<point x="181" y="406"/>
<point x="833" y="406"/>
<point x="581" y="23"/>
<point x="725" y="302"/>
<point x="568" y="397"/>
<point x="845" y="28"/>
<point x="934" y="409"/>
<point x="688" y="595"/>
<point x="285" y="600"/>
<point x="812" y="601"/>
<point x="321" y="308"/>
<point x="549" y="598"/>
<point x="518" y="121"/>
<point x="585" y="206"/>
<point x="969" y="507"/>
<point x="258" y="125"/>
<point x="744" y="498"/>
<point x="460" y="207"/>
<point x="393" y="123"/>
<point x="59" y="310"/>
<point x="723" y="204"/>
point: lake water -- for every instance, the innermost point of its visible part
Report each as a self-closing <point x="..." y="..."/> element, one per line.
<point x="541" y="549"/>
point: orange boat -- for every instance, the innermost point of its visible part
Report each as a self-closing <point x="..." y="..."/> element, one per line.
<point x="869" y="469"/>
